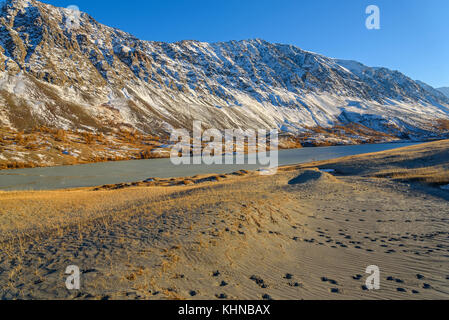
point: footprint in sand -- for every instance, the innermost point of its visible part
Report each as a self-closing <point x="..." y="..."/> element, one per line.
<point x="324" y="279"/>
<point x="193" y="293"/>
<point x="259" y="281"/>
<point x="334" y="290"/>
<point x="295" y="284"/>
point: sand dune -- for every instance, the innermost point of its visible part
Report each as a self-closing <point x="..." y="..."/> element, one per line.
<point x="301" y="234"/>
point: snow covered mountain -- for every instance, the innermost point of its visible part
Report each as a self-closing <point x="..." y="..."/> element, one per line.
<point x="65" y="70"/>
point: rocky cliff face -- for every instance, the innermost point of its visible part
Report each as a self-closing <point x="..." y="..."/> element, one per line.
<point x="83" y="75"/>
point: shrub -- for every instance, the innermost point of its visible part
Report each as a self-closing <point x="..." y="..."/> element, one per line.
<point x="60" y="135"/>
<point x="88" y="137"/>
<point x="443" y="124"/>
<point x="19" y="138"/>
<point x="146" y="154"/>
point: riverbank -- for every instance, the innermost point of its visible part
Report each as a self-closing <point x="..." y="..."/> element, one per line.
<point x="308" y="232"/>
<point x="47" y="147"/>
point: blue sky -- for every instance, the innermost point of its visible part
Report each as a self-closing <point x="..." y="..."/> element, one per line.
<point x="413" y="37"/>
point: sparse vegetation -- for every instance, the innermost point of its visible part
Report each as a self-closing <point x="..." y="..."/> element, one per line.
<point x="429" y="175"/>
<point x="342" y="134"/>
<point x="43" y="146"/>
<point x="442" y="125"/>
<point x="60" y="135"/>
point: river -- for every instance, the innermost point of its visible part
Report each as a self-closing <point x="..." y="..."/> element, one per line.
<point x="90" y="175"/>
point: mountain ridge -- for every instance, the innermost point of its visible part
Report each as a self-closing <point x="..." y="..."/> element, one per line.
<point x="94" y="77"/>
<point x="444" y="90"/>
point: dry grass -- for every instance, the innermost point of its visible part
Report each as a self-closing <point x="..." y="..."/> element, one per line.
<point x="31" y="218"/>
<point x="435" y="175"/>
<point x="426" y="163"/>
<point x="38" y="212"/>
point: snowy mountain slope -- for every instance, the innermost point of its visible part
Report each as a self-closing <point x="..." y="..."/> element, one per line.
<point x="95" y="77"/>
<point x="444" y="90"/>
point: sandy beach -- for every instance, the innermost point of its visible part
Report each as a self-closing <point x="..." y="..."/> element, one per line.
<point x="308" y="232"/>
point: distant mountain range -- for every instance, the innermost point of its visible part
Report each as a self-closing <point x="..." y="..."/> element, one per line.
<point x="95" y="77"/>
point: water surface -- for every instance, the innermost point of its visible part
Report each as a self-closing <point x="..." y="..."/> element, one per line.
<point x="90" y="175"/>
